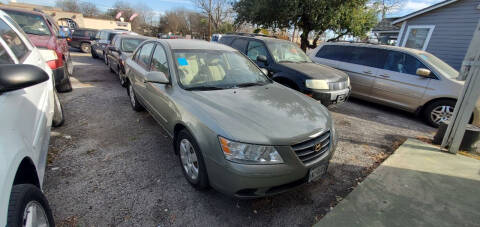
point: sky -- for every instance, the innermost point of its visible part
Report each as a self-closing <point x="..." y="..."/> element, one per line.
<point x="160" y="6"/>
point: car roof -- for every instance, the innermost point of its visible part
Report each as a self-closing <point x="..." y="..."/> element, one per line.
<point x="267" y="39"/>
<point x="132" y="36"/>
<point x="22" y="11"/>
<point x="193" y="44"/>
<point x="378" y="46"/>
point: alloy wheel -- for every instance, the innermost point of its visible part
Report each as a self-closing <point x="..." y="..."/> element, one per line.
<point x="35" y="215"/>
<point x="189" y="159"/>
<point x="441" y="114"/>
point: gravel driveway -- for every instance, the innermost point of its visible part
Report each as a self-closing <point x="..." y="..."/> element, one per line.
<point x="111" y="166"/>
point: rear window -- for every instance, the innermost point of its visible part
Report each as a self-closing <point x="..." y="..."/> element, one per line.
<point x="129" y="45"/>
<point x="30" y="23"/>
<point x="332" y="52"/>
<point x="84" y="33"/>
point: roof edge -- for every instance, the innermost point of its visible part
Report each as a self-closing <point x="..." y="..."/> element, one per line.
<point x="424" y="10"/>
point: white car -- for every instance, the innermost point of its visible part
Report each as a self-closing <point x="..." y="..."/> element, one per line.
<point x="28" y="108"/>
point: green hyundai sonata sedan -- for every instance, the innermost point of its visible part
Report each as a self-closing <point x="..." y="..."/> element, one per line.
<point x="233" y="128"/>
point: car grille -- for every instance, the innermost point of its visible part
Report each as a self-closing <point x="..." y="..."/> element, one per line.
<point x="306" y="151"/>
<point x="338" y="85"/>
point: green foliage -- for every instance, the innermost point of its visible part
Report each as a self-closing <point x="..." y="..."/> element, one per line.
<point x="309" y="15"/>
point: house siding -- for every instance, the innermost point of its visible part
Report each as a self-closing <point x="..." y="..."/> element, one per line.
<point x="454" y="28"/>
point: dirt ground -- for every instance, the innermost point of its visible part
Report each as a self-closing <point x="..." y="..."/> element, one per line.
<point x="111" y="166"/>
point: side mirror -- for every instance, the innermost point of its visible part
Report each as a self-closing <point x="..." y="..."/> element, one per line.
<point x="423" y="72"/>
<point x="15" y="77"/>
<point x="262" y="58"/>
<point x="157" y="77"/>
<point x="265" y="71"/>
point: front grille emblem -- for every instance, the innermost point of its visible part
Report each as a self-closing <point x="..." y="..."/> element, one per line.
<point x="317" y="147"/>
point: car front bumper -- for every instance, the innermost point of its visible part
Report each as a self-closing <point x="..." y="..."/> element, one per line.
<point x="329" y="98"/>
<point x="254" y="181"/>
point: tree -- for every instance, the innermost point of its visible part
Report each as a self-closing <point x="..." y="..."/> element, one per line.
<point x="386" y="6"/>
<point x="68" y="5"/>
<point x="89" y="9"/>
<point x="309" y="15"/>
<point x="354" y="21"/>
<point x="219" y="11"/>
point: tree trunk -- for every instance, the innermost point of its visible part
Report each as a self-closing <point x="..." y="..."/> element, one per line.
<point x="304" y="43"/>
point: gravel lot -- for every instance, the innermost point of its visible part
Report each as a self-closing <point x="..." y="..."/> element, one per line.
<point x="111" y="166"/>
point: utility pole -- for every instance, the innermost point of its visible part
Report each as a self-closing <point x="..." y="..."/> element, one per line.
<point x="470" y="72"/>
<point x="209" y="22"/>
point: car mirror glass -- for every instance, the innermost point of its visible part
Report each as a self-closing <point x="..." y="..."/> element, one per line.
<point x="423" y="72"/>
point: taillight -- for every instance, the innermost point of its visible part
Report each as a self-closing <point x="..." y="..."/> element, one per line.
<point x="51" y="58"/>
<point x="69" y="40"/>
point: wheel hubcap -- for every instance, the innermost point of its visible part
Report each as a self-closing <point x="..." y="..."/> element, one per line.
<point x="34" y="215"/>
<point x="441" y="114"/>
<point x="132" y="95"/>
<point x="189" y="159"/>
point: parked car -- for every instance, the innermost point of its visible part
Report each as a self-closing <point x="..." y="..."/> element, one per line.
<point x="29" y="107"/>
<point x="216" y="37"/>
<point x="102" y="40"/>
<point x="117" y="53"/>
<point x="408" y="79"/>
<point x="224" y="116"/>
<point x="82" y="39"/>
<point x="289" y="65"/>
<point x="43" y="31"/>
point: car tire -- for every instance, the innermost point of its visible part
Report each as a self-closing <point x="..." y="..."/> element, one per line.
<point x="110" y="67"/>
<point x="26" y="199"/>
<point x="439" y="111"/>
<point x="121" y="77"/>
<point x="66" y="85"/>
<point x="85" y="48"/>
<point x="133" y="99"/>
<point x="94" y="54"/>
<point x="105" y="59"/>
<point x="191" y="160"/>
<point x="58" y="116"/>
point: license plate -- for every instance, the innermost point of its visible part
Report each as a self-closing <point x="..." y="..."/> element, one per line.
<point x="316" y="173"/>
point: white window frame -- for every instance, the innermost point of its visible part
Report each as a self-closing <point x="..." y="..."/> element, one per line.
<point x="430" y="32"/>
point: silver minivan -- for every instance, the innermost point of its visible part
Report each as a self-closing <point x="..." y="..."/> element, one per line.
<point x="407" y="79"/>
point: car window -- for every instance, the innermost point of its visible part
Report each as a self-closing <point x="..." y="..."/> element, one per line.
<point x="99" y="35"/>
<point x="111" y="35"/>
<point x="287" y="52"/>
<point x="129" y="45"/>
<point x="4" y="56"/>
<point x="256" y="49"/>
<point x="13" y="41"/>
<point x="216" y="68"/>
<point x="226" y="40"/>
<point x="54" y="27"/>
<point x="371" y="57"/>
<point x="240" y="44"/>
<point x="402" y="63"/>
<point x="333" y="52"/>
<point x="30" y="23"/>
<point x="159" y="61"/>
<point x="103" y="35"/>
<point x="439" y="65"/>
<point x="145" y="54"/>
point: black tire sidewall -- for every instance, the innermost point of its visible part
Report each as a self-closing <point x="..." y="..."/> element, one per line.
<point x="432" y="106"/>
<point x="85" y="48"/>
<point x="20" y="196"/>
<point x="137" y="107"/>
<point x="202" y="180"/>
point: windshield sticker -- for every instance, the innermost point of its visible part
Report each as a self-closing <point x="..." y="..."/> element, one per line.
<point x="182" y="61"/>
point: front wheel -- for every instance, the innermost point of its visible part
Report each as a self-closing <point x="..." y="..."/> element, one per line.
<point x="133" y="99"/>
<point x="191" y="160"/>
<point x="28" y="207"/>
<point x="93" y="52"/>
<point x="85" y="47"/>
<point x="440" y="111"/>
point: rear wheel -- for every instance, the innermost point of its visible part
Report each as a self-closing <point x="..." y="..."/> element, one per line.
<point x="85" y="47"/>
<point x="439" y="111"/>
<point x="66" y="85"/>
<point x="58" y="117"/>
<point x="94" y="54"/>
<point x="191" y="160"/>
<point x="133" y="99"/>
<point x="28" y="207"/>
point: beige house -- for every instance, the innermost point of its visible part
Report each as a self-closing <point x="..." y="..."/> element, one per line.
<point x="73" y="20"/>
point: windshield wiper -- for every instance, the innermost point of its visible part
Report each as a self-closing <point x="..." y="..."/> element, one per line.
<point x="250" y="84"/>
<point x="204" y="88"/>
<point x="286" y="61"/>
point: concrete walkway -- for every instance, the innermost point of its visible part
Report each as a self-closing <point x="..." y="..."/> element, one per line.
<point x="416" y="186"/>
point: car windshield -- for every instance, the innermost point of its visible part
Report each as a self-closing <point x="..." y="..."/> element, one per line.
<point x="445" y="69"/>
<point x="287" y="52"/>
<point x="129" y="45"/>
<point x="30" y="23"/>
<point x="216" y="69"/>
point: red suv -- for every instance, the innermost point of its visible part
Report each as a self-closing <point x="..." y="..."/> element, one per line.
<point x="44" y="33"/>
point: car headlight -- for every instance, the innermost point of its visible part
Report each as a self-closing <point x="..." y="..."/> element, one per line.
<point x="348" y="81"/>
<point x="249" y="153"/>
<point x="317" y="84"/>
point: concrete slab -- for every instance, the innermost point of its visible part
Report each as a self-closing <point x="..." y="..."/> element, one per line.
<point x="416" y="186"/>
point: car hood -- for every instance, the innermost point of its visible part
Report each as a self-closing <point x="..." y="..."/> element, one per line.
<point x="41" y="41"/>
<point x="270" y="114"/>
<point x="317" y="71"/>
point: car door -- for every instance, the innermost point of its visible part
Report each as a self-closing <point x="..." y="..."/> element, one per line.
<point x="25" y="113"/>
<point x="398" y="84"/>
<point x="115" y="55"/>
<point x="140" y="69"/>
<point x="159" y="95"/>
